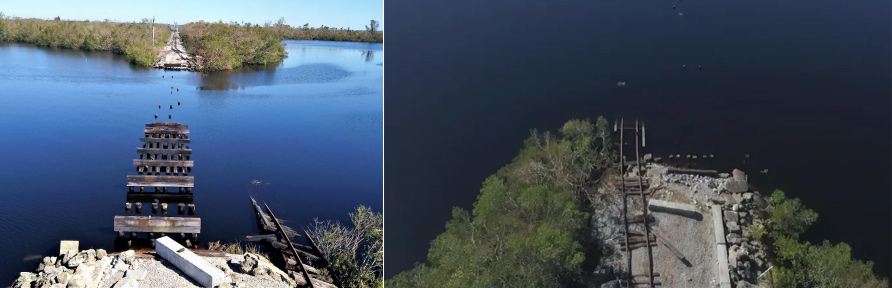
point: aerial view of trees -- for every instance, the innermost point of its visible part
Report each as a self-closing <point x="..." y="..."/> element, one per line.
<point x="802" y="264"/>
<point x="525" y="229"/>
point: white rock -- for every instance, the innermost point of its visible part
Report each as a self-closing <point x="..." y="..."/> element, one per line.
<point x="128" y="256"/>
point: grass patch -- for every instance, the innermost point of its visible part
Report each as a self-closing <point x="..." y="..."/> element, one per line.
<point x="237" y="248"/>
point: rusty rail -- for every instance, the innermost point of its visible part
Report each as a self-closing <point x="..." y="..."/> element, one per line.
<point x="650" y="256"/>
<point x="622" y="174"/>
<point x="631" y="187"/>
<point x="285" y="235"/>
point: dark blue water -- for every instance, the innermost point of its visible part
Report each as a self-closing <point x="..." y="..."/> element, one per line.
<point x="804" y="87"/>
<point x="309" y="129"/>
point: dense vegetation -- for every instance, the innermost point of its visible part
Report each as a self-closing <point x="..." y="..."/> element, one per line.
<point x="133" y="40"/>
<point x="527" y="226"/>
<point x="802" y="264"/>
<point x="224" y="46"/>
<point x="356" y="254"/>
<point x="227" y="46"/>
<point x="305" y="32"/>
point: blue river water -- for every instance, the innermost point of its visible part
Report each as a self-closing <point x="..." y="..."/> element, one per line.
<point x="309" y="129"/>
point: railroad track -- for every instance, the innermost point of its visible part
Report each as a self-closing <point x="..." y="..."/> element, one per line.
<point x="637" y="230"/>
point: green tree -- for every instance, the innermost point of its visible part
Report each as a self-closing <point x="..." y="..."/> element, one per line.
<point x="788" y="216"/>
<point x="526" y="225"/>
<point x="355" y="253"/>
<point x="372" y="27"/>
<point x="801" y="264"/>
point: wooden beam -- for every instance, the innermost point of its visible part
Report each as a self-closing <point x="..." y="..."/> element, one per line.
<point x="157" y="224"/>
<point x="163" y="151"/>
<point x="671" y="247"/>
<point x="167" y="124"/>
<point x="164" y="163"/>
<point x="170" y="197"/>
<point x="166" y="140"/>
<point x="160" y="181"/>
<point x="166" y="130"/>
<point x="691" y="171"/>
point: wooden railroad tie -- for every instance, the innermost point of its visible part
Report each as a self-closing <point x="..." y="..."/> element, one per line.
<point x="671" y="247"/>
<point x="636" y="219"/>
<point x="636" y="245"/>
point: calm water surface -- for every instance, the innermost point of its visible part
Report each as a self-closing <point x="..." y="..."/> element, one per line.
<point x="309" y="128"/>
<point x="802" y="86"/>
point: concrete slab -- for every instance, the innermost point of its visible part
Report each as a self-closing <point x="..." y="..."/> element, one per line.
<point x="680" y="209"/>
<point x="721" y="250"/>
<point x="68" y="245"/>
<point x="193" y="265"/>
<point x="717" y="224"/>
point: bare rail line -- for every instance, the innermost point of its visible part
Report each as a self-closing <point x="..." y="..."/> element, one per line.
<point x="635" y="187"/>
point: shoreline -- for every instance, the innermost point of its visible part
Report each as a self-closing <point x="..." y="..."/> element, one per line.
<point x="98" y="269"/>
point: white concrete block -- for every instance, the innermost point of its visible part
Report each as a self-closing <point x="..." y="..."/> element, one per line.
<point x="193" y="265"/>
<point x="718" y="225"/>
<point x="686" y="210"/>
<point x="721" y="251"/>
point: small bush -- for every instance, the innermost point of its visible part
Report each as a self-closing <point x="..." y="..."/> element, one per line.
<point x="236" y="248"/>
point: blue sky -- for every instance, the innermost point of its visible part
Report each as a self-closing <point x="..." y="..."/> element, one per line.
<point x="333" y="13"/>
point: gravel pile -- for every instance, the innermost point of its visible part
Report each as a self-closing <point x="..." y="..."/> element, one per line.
<point x="128" y="269"/>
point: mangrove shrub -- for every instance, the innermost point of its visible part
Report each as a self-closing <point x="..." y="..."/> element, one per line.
<point x="525" y="229"/>
<point x="133" y="40"/>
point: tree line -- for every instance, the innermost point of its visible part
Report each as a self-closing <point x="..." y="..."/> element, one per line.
<point x="305" y="32"/>
<point x="133" y="40"/>
<point x="221" y="46"/>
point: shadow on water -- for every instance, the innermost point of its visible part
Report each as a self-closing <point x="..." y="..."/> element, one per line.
<point x="269" y="75"/>
<point x="369" y="55"/>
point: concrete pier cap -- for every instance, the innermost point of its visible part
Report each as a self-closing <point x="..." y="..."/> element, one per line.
<point x="193" y="265"/>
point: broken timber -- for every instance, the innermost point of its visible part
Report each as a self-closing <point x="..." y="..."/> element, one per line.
<point x="673" y="170"/>
<point x="302" y="269"/>
<point x="671" y="247"/>
<point x="157" y="224"/>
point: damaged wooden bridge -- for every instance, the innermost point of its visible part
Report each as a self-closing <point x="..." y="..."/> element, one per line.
<point x="163" y="166"/>
<point x="297" y="259"/>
